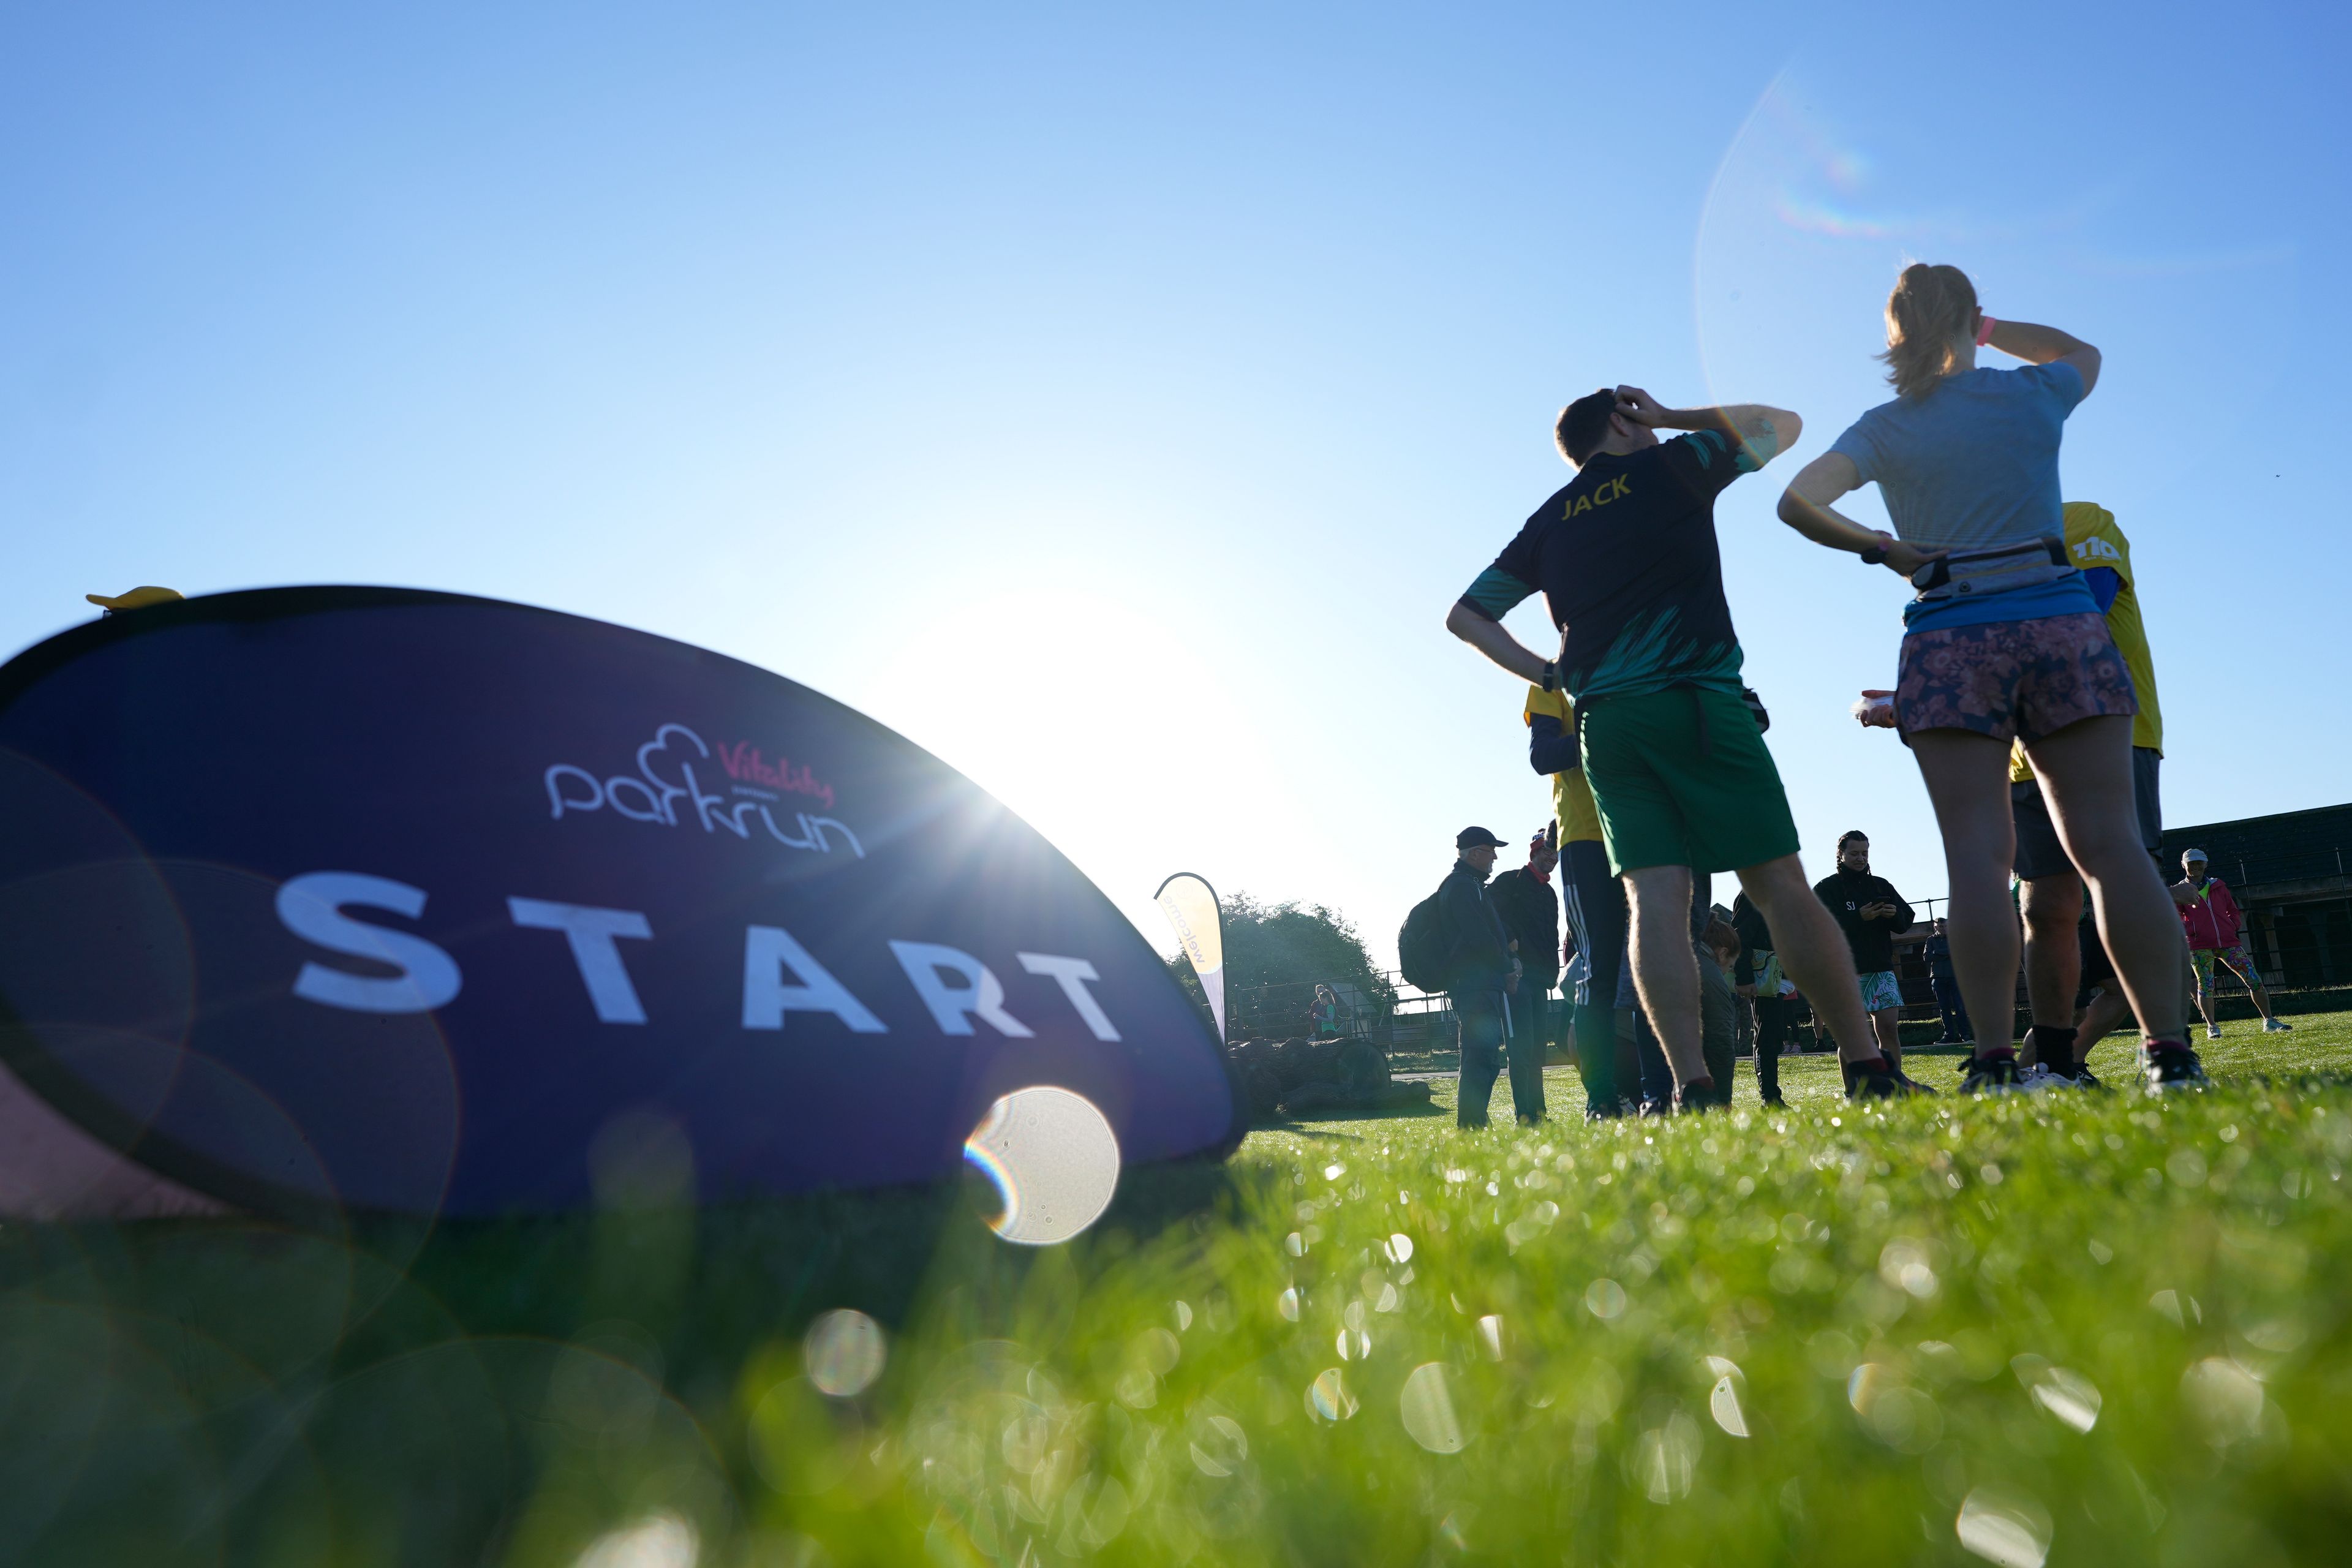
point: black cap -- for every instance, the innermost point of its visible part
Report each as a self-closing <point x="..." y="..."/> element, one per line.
<point x="1474" y="837"/>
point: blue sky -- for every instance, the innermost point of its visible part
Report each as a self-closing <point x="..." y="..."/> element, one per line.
<point x="1113" y="399"/>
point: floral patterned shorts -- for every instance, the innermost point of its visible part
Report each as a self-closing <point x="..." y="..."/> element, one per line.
<point x="2235" y="956"/>
<point x="2010" y="679"/>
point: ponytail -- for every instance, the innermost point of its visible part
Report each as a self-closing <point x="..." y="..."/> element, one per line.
<point x="1929" y="308"/>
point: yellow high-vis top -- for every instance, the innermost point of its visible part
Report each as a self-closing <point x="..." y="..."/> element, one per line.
<point x="2093" y="539"/>
<point x="1571" y="798"/>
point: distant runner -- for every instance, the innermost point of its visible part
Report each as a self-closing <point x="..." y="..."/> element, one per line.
<point x="1626" y="559"/>
<point x="2217" y="932"/>
<point x="1870" y="912"/>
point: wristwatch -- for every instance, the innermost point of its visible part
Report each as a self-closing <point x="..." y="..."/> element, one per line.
<point x="1875" y="556"/>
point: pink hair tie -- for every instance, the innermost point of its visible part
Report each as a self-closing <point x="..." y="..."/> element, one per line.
<point x="1985" y="325"/>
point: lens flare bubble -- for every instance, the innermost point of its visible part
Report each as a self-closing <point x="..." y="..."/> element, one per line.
<point x="845" y="1352"/>
<point x="1426" y="1406"/>
<point x="2005" y="1528"/>
<point x="663" y="1540"/>
<point x="1053" y="1158"/>
<point x="1328" y="1396"/>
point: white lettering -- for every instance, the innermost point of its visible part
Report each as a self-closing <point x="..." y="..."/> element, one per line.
<point x="815" y="827"/>
<point x="311" y="907"/>
<point x="766" y="998"/>
<point x="1072" y="973"/>
<point x="981" y="995"/>
<point x="591" y="931"/>
<point x="555" y="796"/>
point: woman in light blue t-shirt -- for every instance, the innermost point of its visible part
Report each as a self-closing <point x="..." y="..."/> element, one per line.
<point x="2003" y="643"/>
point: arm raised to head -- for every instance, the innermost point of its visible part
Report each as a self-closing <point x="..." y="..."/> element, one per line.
<point x="2047" y="345"/>
<point x="1765" y="431"/>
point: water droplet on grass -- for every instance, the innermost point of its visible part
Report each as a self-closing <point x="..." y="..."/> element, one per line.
<point x="663" y="1540"/>
<point x="845" y="1352"/>
<point x="1328" y="1397"/>
<point x="1722" y="1403"/>
<point x="2006" y="1529"/>
<point x="1426" y="1406"/>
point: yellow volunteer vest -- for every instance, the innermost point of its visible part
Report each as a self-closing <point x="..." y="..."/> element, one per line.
<point x="1571" y="798"/>
<point x="2093" y="539"/>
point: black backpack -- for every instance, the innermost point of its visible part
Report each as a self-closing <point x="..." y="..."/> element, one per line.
<point x="1421" y="947"/>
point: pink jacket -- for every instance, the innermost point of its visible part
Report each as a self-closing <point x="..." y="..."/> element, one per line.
<point x="2213" y="921"/>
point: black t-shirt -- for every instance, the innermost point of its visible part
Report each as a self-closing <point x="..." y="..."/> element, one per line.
<point x="1626" y="558"/>
<point x="1873" y="941"/>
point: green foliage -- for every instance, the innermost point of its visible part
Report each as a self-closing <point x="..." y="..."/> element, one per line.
<point x="2110" y="1327"/>
<point x="1290" y="944"/>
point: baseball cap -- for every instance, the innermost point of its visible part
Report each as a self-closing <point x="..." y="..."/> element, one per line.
<point x="1472" y="838"/>
<point x="137" y="599"/>
<point x="2192" y="855"/>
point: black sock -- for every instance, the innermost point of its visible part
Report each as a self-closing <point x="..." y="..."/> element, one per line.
<point x="2056" y="1047"/>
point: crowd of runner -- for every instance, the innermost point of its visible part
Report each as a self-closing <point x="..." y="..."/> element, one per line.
<point x="2024" y="691"/>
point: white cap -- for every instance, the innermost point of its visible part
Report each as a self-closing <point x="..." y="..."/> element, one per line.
<point x="2192" y="855"/>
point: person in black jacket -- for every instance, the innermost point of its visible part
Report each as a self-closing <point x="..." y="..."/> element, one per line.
<point x="1530" y="913"/>
<point x="1757" y="976"/>
<point x="1480" y="972"/>
<point x="1870" y="912"/>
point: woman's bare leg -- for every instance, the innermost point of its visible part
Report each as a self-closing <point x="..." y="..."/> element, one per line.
<point x="1966" y="776"/>
<point x="2086" y="771"/>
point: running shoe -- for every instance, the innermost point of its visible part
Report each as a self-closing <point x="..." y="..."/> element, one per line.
<point x="2084" y="1079"/>
<point x="2212" y="1031"/>
<point x="2041" y="1075"/>
<point x="1881" y="1085"/>
<point x="2276" y="1027"/>
<point x="1994" y="1075"/>
<point x="2173" y="1069"/>
<point x="1689" y="1099"/>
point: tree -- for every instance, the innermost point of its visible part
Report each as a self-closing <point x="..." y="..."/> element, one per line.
<point x="1276" y="954"/>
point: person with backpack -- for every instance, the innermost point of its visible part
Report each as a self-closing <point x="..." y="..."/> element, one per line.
<point x="1626" y="559"/>
<point x="1530" y="913"/>
<point x="1454" y="941"/>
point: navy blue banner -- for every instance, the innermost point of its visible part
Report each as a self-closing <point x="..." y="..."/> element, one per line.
<point x="417" y="902"/>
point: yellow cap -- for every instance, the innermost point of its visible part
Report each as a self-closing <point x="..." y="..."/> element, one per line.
<point x="137" y="599"/>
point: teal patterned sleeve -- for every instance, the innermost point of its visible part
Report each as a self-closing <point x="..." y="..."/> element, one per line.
<point x="1495" y="593"/>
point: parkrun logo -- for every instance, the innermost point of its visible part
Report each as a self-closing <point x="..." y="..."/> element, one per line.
<point x="666" y="790"/>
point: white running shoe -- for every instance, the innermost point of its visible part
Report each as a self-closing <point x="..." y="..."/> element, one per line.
<point x="2276" y="1027"/>
<point x="2212" y="1031"/>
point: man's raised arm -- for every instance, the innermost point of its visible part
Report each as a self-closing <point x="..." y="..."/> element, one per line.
<point x="1765" y="431"/>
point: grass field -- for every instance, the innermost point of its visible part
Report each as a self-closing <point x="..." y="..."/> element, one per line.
<point x="2086" y="1329"/>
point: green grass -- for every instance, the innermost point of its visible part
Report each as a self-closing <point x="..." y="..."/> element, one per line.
<point x="2119" y="1325"/>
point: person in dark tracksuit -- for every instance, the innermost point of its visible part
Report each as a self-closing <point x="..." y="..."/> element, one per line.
<point x="1758" y="974"/>
<point x="1947" y="986"/>
<point x="1480" y="971"/>
<point x="1530" y="913"/>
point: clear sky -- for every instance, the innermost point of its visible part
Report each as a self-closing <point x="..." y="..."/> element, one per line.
<point x="1113" y="399"/>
